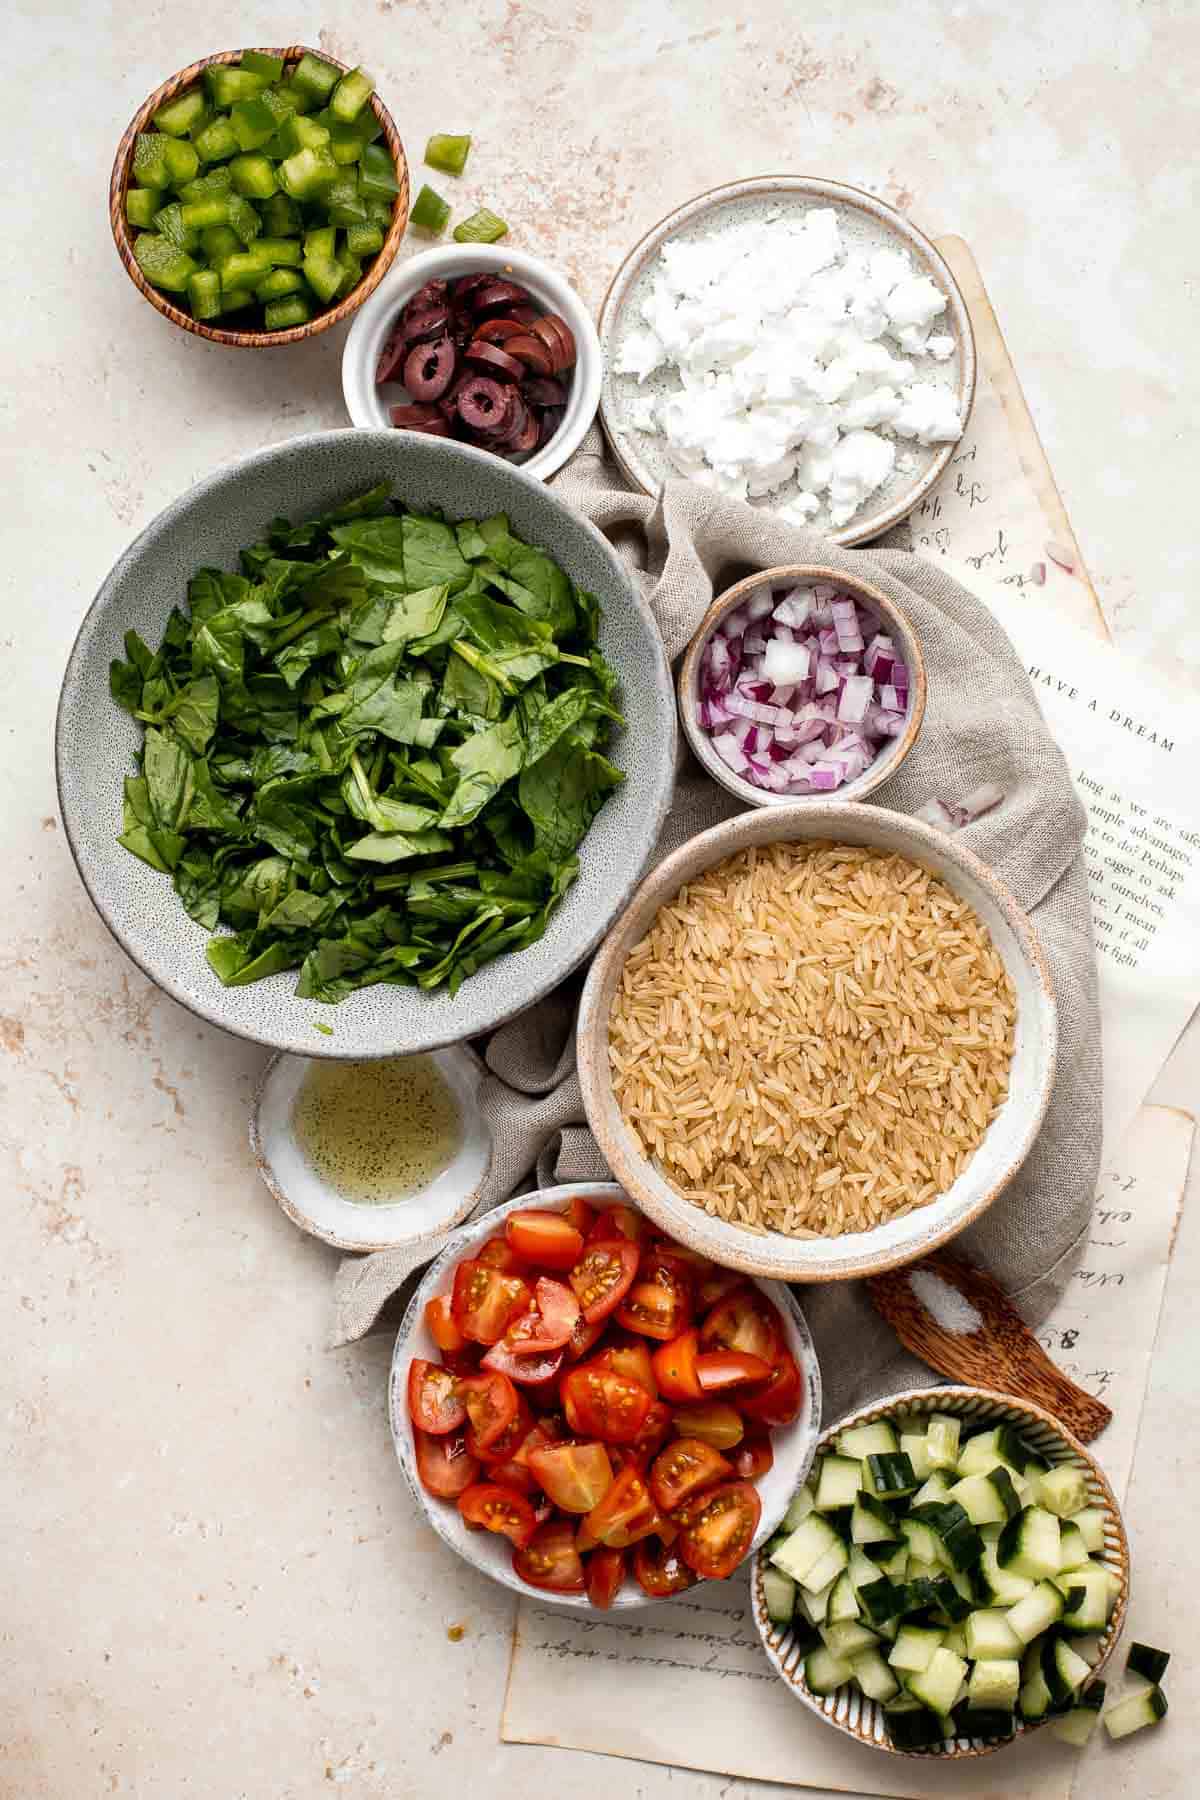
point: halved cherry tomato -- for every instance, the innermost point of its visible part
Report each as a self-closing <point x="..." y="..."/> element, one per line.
<point x="600" y="1403"/>
<point x="675" y="1368"/>
<point x="713" y="1288"/>
<point x="720" y="1528"/>
<point x="491" y="1403"/>
<point x="442" y="1325"/>
<point x="603" y="1276"/>
<point x="444" y="1464"/>
<point x="605" y="1573"/>
<point x="583" y="1337"/>
<point x="549" y="1322"/>
<point x="498" y="1509"/>
<point x="485" y="1301"/>
<point x="546" y="1239"/>
<point x="714" y="1422"/>
<point x="618" y="1222"/>
<point x="745" y="1320"/>
<point x="632" y="1359"/>
<point x="659" y="1568"/>
<point x="655" y="1430"/>
<point x="434" y="1402"/>
<point x="575" y="1476"/>
<point x="550" y="1559"/>
<point x="509" y="1440"/>
<point x="778" y="1400"/>
<point x="579" y="1214"/>
<point x="626" y="1513"/>
<point x="542" y="1432"/>
<point x="753" y="1456"/>
<point x="529" y="1371"/>
<point x="498" y="1253"/>
<point x="659" y="1302"/>
<point x="722" y="1369"/>
<point x="514" y="1475"/>
<point x="682" y="1469"/>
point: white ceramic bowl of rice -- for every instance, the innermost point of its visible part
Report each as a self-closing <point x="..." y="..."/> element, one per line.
<point x="703" y="1010"/>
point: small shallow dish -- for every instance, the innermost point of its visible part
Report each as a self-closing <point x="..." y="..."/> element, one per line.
<point x="892" y="620"/>
<point x="369" y="406"/>
<point x="794" y="1445"/>
<point x="1008" y="1138"/>
<point x="95" y="739"/>
<point x="312" y="1203"/>
<point x="122" y="174"/>
<point x="644" y="457"/>
<point x="848" y="1710"/>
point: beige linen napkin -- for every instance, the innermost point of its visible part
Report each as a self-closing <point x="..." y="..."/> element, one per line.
<point x="981" y="724"/>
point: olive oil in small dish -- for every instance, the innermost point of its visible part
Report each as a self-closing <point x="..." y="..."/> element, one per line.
<point x="368" y="1155"/>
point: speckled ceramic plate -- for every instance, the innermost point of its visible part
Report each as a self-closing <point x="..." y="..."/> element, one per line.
<point x="644" y="456"/>
<point x="95" y="739"/>
<point x="848" y="1710"/>
<point x="794" y="1445"/>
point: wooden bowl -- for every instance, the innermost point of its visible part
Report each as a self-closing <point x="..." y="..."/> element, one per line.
<point x="848" y="1710"/>
<point x="122" y="174"/>
<point x="891" y="619"/>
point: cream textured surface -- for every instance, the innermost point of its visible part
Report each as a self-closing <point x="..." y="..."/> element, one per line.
<point x="214" y="1583"/>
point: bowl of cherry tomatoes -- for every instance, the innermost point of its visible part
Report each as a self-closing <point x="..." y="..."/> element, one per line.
<point x="585" y="1409"/>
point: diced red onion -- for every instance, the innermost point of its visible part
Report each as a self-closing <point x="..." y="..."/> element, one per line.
<point x="855" y="699"/>
<point x="893" y="698"/>
<point x="934" y="813"/>
<point x="795" y="609"/>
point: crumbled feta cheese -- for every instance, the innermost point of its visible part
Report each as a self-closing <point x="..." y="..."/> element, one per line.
<point x="794" y="350"/>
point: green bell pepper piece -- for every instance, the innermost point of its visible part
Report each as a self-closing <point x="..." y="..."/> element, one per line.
<point x="351" y="273"/>
<point x="245" y="268"/>
<point x="182" y="116"/>
<point x="364" y="240"/>
<point x="170" y="222"/>
<point x="324" y="276"/>
<point x="429" y="212"/>
<point x="280" y="216"/>
<point x="281" y="315"/>
<point x="252" y="176"/>
<point x="213" y="186"/>
<point x="307" y="174"/>
<point x="227" y="85"/>
<point x="344" y="203"/>
<point x="279" y="283"/>
<point x="199" y="215"/>
<point x="141" y="204"/>
<point x="483" y="227"/>
<point x="449" y="154"/>
<point x="280" y="102"/>
<point x="218" y="242"/>
<point x="279" y="252"/>
<point x="351" y="95"/>
<point x="217" y="142"/>
<point x="149" y="163"/>
<point x="321" y="242"/>
<point x="380" y="210"/>
<point x="234" y="299"/>
<point x="181" y="159"/>
<point x="253" y="123"/>
<point x="298" y="133"/>
<point x="243" y="218"/>
<point x="260" y="63"/>
<point x="315" y="78"/>
<point x="163" y="263"/>
<point x="376" y="174"/>
<point x="204" y="293"/>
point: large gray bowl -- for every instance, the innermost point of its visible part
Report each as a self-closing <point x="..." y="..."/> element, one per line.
<point x="95" y="739"/>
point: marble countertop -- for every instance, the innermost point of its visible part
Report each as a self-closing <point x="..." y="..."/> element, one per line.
<point x="214" y="1585"/>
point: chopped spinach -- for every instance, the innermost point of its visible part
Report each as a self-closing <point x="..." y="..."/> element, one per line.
<point x="371" y="755"/>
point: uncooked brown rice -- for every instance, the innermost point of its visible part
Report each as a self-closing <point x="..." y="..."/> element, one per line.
<point x="812" y="1038"/>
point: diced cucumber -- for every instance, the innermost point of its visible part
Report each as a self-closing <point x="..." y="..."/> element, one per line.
<point x="861" y="1441"/>
<point x="1037" y="1612"/>
<point x="960" y="1545"/>
<point x="883" y="1599"/>
<point x="889" y="1476"/>
<point x="1091" y="1523"/>
<point x="942" y="1440"/>
<point x="1086" y="1596"/>
<point x="873" y="1675"/>
<point x="824" y="1672"/>
<point x="989" y="1635"/>
<point x="1073" y="1552"/>
<point x="921" y="1540"/>
<point x="1004" y="1588"/>
<point x="987" y="1499"/>
<point x="848" y="1638"/>
<point x="994" y="1682"/>
<point x="798" y="1510"/>
<point x="987" y="1722"/>
<point x="871" y="1522"/>
<point x="812" y="1539"/>
<point x="1062" y="1490"/>
<point x="914" y="1648"/>
<point x="827" y="1570"/>
<point x="914" y="1728"/>
<point x="896" y="1567"/>
<point x="779" y="1590"/>
<point x="915" y="1445"/>
<point x="1031" y="1544"/>
<point x="936" y="1686"/>
<point x="1034" y="1697"/>
<point x="935" y="1489"/>
<point x="1077" y="1726"/>
<point x="861" y="1569"/>
<point x="951" y="1596"/>
<point x="839" y="1483"/>
<point x="843" y="1602"/>
<point x="1133" y="1714"/>
<point x="956" y="1640"/>
<point x="1065" y="1672"/>
<point x="1145" y="1660"/>
<point x="815" y="1607"/>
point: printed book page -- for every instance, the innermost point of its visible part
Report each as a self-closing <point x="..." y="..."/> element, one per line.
<point x="688" y="1683"/>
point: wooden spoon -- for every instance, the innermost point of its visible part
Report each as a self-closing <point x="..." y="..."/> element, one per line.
<point x="1000" y="1352"/>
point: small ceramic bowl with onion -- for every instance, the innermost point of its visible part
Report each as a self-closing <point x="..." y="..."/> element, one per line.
<point x="793" y="1446"/>
<point x="370" y="404"/>
<point x="768" y="746"/>
<point x="847" y="1709"/>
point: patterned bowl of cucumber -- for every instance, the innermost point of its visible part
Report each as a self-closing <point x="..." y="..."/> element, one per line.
<point x="953" y="1574"/>
<point x="258" y="197"/>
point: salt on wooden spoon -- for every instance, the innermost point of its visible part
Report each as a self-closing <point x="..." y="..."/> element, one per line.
<point x="959" y="1321"/>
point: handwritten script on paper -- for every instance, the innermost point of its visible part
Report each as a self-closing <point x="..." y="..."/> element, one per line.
<point x="687" y="1682"/>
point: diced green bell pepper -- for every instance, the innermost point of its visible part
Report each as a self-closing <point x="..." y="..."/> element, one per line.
<point x="204" y="293"/>
<point x="163" y="263"/>
<point x="181" y="116"/>
<point x="141" y="204"/>
<point x="149" y="161"/>
<point x="351" y="95"/>
<point x="380" y="210"/>
<point x="170" y="222"/>
<point x="217" y="142"/>
<point x="315" y="78"/>
<point x="324" y="276"/>
<point x="298" y="133"/>
<point x="199" y="215"/>
<point x="218" y="242"/>
<point x="260" y="63"/>
<point x="235" y="299"/>
<point x="345" y="145"/>
<point x="366" y="128"/>
<point x="279" y="283"/>
<point x="449" y="154"/>
<point x="212" y="186"/>
<point x="483" y="227"/>
<point x="280" y="216"/>
<point x="253" y="123"/>
<point x="243" y="218"/>
<point x="253" y="176"/>
<point x="182" y="160"/>
<point x="376" y="173"/>
<point x="281" y="315"/>
<point x="245" y="268"/>
<point x="429" y="212"/>
<point x="227" y="85"/>
<point x="279" y="252"/>
<point x="344" y="203"/>
<point x="307" y="173"/>
<point x="321" y="241"/>
<point x="364" y="240"/>
<point x="281" y="103"/>
<point x="351" y="273"/>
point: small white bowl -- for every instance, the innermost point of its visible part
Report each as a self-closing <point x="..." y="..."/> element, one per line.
<point x="848" y="1710"/>
<point x="310" y="1202"/>
<point x="374" y="320"/>
<point x="793" y="1445"/>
